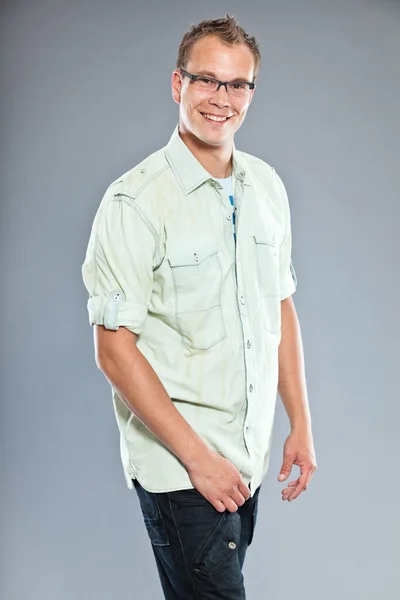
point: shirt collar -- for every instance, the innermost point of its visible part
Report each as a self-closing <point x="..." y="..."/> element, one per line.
<point x="189" y="173"/>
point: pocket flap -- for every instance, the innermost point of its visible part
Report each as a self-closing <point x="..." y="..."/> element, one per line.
<point x="192" y="256"/>
<point x="265" y="238"/>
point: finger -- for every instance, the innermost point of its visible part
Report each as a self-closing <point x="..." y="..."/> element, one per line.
<point x="238" y="498"/>
<point x="286" y="467"/>
<point x="219" y="506"/>
<point x="301" y="485"/>
<point x="286" y="493"/>
<point x="285" y="471"/>
<point x="244" y="490"/>
<point x="291" y="484"/>
<point x="230" y="504"/>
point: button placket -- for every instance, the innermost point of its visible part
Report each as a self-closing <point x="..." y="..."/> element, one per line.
<point x="249" y="359"/>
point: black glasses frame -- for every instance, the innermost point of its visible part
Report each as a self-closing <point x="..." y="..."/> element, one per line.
<point x="251" y="84"/>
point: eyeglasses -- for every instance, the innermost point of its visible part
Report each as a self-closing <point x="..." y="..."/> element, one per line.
<point x="209" y="84"/>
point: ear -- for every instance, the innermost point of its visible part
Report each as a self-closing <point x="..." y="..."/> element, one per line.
<point x="176" y="86"/>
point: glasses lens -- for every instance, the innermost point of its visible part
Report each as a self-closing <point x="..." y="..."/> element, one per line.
<point x="236" y="88"/>
<point x="204" y="83"/>
<point x="239" y="89"/>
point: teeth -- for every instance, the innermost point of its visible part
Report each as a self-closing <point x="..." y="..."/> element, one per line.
<point x="213" y="118"/>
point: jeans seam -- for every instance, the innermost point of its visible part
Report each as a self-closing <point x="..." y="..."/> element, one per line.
<point x="183" y="550"/>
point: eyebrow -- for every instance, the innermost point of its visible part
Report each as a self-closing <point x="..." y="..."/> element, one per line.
<point x="211" y="74"/>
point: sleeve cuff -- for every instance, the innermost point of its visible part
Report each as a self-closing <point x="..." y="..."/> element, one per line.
<point x="288" y="287"/>
<point x="113" y="312"/>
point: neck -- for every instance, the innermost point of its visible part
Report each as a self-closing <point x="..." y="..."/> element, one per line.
<point x="217" y="160"/>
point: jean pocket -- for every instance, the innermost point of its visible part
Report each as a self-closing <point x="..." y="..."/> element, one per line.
<point x="188" y="496"/>
<point x="152" y="516"/>
<point x="197" y="279"/>
<point x="221" y="546"/>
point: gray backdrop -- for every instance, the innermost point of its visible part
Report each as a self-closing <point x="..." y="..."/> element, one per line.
<point x="85" y="94"/>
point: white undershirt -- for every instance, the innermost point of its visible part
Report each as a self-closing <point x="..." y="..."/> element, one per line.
<point x="227" y="183"/>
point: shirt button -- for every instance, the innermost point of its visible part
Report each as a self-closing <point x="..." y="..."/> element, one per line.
<point x="241" y="174"/>
<point x="196" y="257"/>
<point x="116" y="297"/>
<point x="251" y="387"/>
<point x="241" y="300"/>
<point x="248" y="344"/>
<point x="232" y="545"/>
<point x="142" y="170"/>
<point x="229" y="217"/>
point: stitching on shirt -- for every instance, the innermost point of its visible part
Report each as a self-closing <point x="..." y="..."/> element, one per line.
<point x="147" y="181"/>
<point x="178" y="315"/>
<point x="96" y="244"/>
<point x="132" y="203"/>
<point x="111" y="309"/>
<point x="195" y="185"/>
<point x="176" y="173"/>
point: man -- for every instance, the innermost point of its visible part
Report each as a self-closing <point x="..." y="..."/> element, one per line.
<point x="190" y="279"/>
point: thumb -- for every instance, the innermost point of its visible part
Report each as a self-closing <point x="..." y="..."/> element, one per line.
<point x="285" y="470"/>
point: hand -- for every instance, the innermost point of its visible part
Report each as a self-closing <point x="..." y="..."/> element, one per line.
<point x="298" y="450"/>
<point x="219" y="481"/>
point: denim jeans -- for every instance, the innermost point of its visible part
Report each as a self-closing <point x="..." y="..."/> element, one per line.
<point x="199" y="551"/>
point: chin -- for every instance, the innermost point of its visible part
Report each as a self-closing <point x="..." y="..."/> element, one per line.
<point x="215" y="139"/>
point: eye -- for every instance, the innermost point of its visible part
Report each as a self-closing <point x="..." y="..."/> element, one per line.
<point x="238" y="86"/>
<point x="205" y="80"/>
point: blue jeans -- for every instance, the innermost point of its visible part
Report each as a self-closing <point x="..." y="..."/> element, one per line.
<point x="199" y="551"/>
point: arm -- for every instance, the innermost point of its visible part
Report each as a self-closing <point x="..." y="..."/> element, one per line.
<point x="136" y="382"/>
<point x="292" y="382"/>
<point x="299" y="446"/>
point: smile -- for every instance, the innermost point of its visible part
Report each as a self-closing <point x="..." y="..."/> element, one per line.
<point x="215" y="118"/>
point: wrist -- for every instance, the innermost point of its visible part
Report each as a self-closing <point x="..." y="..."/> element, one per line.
<point x="303" y="425"/>
<point x="195" y="453"/>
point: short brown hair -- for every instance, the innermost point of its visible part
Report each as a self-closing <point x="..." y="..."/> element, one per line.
<point x="227" y="30"/>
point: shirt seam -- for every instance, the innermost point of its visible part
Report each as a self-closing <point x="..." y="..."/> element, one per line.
<point x="133" y="204"/>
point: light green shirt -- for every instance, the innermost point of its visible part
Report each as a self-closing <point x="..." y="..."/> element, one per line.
<point x="162" y="262"/>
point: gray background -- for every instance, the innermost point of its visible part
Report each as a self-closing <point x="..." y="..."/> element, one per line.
<point x="85" y="94"/>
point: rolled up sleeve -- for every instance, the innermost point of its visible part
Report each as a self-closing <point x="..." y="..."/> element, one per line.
<point x="118" y="267"/>
<point x="287" y="273"/>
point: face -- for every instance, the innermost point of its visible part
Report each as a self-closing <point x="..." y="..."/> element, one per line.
<point x="211" y="57"/>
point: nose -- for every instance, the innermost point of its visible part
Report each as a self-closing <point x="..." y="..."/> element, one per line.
<point x="220" y="98"/>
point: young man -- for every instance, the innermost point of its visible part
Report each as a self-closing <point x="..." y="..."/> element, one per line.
<point x="190" y="279"/>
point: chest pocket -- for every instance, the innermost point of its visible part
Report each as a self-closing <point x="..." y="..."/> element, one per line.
<point x="197" y="279"/>
<point x="267" y="257"/>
